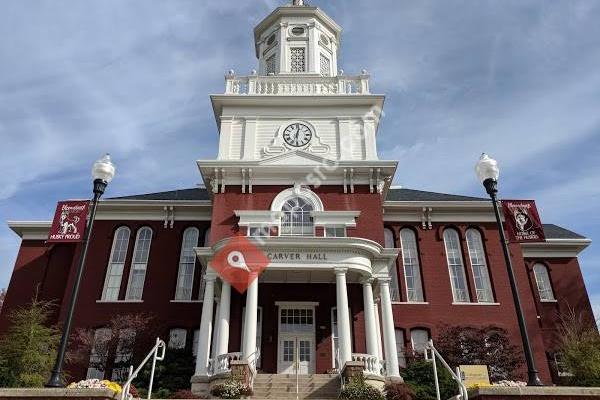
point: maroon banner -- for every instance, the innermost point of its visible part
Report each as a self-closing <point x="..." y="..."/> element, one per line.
<point x="522" y="221"/>
<point x="69" y="222"/>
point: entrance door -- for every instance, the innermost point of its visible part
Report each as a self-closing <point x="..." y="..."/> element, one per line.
<point x="296" y="344"/>
<point x="296" y="352"/>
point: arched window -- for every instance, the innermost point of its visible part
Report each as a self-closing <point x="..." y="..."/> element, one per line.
<point x="137" y="275"/>
<point x="116" y="263"/>
<point x="296" y="219"/>
<point x="389" y="241"/>
<point x="187" y="263"/>
<point x="410" y="260"/>
<point x="456" y="266"/>
<point x="542" y="279"/>
<point x="481" y="276"/>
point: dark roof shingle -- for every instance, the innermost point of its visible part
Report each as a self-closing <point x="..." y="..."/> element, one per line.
<point x="553" y="231"/>
<point x="402" y="194"/>
<point x="182" y="194"/>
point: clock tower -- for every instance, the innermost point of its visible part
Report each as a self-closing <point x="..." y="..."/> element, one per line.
<point x="297" y="118"/>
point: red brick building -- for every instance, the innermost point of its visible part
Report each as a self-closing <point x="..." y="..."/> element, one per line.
<point x="359" y="270"/>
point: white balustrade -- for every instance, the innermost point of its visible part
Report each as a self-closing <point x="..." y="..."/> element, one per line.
<point x="296" y="85"/>
<point x="222" y="363"/>
<point x="371" y="364"/>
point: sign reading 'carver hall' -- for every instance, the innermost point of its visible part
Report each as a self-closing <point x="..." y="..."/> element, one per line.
<point x="69" y="222"/>
<point x="523" y="221"/>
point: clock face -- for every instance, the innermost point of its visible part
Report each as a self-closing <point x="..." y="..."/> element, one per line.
<point x="297" y="135"/>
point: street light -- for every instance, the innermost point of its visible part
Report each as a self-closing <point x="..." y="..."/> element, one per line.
<point x="487" y="170"/>
<point x="103" y="172"/>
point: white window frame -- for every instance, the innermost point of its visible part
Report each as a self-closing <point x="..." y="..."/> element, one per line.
<point x="177" y="338"/>
<point x="453" y="268"/>
<point x="183" y="292"/>
<point x="139" y="262"/>
<point x="333" y="319"/>
<point x="337" y="230"/>
<point x="120" y="374"/>
<point x="309" y="203"/>
<point x="414" y="294"/>
<point x="195" y="340"/>
<point x="479" y="267"/>
<point x="259" y="231"/>
<point x="390" y="243"/>
<point x="203" y="268"/>
<point x="543" y="282"/>
<point x="123" y="243"/>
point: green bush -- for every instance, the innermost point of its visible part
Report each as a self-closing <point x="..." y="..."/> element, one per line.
<point x="358" y="389"/>
<point x="28" y="350"/>
<point x="398" y="391"/>
<point x="419" y="376"/>
<point x="580" y="349"/>
<point x="173" y="373"/>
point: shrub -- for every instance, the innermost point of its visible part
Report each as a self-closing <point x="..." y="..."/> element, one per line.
<point x="419" y="376"/>
<point x="184" y="394"/>
<point x="358" y="389"/>
<point x="231" y="389"/>
<point x="580" y="349"/>
<point x="28" y="350"/>
<point x="173" y="373"/>
<point x="489" y="345"/>
<point x="399" y="391"/>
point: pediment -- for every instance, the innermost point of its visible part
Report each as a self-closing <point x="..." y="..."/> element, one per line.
<point x="297" y="157"/>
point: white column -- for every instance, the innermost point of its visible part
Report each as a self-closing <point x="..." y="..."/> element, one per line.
<point x="343" y="317"/>
<point x="223" y="319"/>
<point x="205" y="326"/>
<point x="378" y="329"/>
<point x="249" y="339"/>
<point x="389" y="336"/>
<point x="370" y="326"/>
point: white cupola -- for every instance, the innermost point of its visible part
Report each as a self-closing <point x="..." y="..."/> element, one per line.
<point x="297" y="39"/>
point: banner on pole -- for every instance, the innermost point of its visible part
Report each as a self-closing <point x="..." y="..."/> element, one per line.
<point x="522" y="221"/>
<point x="69" y="222"/>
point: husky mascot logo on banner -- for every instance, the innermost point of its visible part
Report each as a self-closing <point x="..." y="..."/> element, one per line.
<point x="523" y="221"/>
<point x="69" y="222"/>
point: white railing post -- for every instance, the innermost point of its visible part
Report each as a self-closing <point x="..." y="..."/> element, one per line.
<point x="464" y="395"/>
<point x="160" y="345"/>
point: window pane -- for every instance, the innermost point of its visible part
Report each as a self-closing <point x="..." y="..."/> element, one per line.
<point x="394" y="285"/>
<point x="400" y="347"/>
<point x="177" y="338"/>
<point x="481" y="276"/>
<point x="456" y="267"/>
<point x="296" y="219"/>
<point x="99" y="354"/>
<point x="114" y="273"/>
<point x="410" y="260"/>
<point x="542" y="279"/>
<point x="419" y="338"/>
<point x="187" y="263"/>
<point x="137" y="275"/>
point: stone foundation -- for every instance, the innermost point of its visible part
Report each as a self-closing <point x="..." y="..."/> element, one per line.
<point x="55" y="394"/>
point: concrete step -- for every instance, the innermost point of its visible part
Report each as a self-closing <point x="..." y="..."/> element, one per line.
<point x="283" y="386"/>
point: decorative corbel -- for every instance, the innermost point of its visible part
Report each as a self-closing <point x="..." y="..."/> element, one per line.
<point x="351" y="180"/>
<point x="250" y="180"/>
<point x="172" y="209"/>
<point x="166" y="217"/>
<point x="371" y="186"/>
<point x="223" y="180"/>
<point x="243" y="180"/>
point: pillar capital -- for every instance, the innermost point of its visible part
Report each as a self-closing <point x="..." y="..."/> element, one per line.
<point x="340" y="270"/>
<point x="367" y="281"/>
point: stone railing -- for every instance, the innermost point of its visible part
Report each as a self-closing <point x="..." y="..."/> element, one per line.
<point x="222" y="363"/>
<point x="302" y="85"/>
<point x="371" y="364"/>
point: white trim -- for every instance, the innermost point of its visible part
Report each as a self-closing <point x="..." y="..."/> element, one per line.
<point x="459" y="303"/>
<point x="258" y="217"/>
<point x="118" y="301"/>
<point x="411" y="302"/>
<point x="186" y="301"/>
<point x="335" y="218"/>
<point x="555" y="248"/>
<point x="296" y="303"/>
<point x="297" y="191"/>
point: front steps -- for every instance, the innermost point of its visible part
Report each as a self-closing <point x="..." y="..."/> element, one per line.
<point x="282" y="386"/>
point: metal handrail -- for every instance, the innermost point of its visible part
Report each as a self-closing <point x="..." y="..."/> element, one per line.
<point x="455" y="375"/>
<point x="160" y="345"/>
<point x="337" y="358"/>
<point x="252" y="361"/>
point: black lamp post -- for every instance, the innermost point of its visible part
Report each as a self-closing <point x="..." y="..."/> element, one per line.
<point x="488" y="172"/>
<point x="103" y="172"/>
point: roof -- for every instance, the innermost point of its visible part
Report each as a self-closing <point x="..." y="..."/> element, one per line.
<point x="556" y="232"/>
<point x="402" y="194"/>
<point x="199" y="193"/>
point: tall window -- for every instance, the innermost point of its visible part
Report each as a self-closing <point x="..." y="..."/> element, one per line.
<point x="116" y="263"/>
<point x="296" y="219"/>
<point x="270" y="64"/>
<point x="99" y="354"/>
<point x="124" y="355"/>
<point x="177" y="338"/>
<point x="187" y="264"/>
<point x="542" y="279"/>
<point x="410" y="260"/>
<point x="297" y="59"/>
<point x="394" y="286"/>
<point x="456" y="266"/>
<point x="137" y="275"/>
<point x="419" y="339"/>
<point x="325" y="65"/>
<point x="481" y="275"/>
<point x="400" y="347"/>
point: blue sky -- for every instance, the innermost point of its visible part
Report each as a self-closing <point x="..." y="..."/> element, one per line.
<point x="518" y="79"/>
